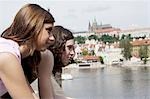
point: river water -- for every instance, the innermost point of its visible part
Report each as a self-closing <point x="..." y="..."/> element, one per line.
<point x="109" y="83"/>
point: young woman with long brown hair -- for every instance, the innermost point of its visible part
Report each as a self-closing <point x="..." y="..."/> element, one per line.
<point x="63" y="50"/>
<point x="24" y="55"/>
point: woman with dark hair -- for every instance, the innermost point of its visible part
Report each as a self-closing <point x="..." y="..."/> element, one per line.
<point x="63" y="50"/>
<point x="24" y="44"/>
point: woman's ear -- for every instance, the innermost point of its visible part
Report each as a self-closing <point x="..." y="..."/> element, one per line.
<point x="64" y="47"/>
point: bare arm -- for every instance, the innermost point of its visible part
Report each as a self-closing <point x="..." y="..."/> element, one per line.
<point x="12" y="75"/>
<point x="58" y="92"/>
<point x="45" y="71"/>
<point x="47" y="84"/>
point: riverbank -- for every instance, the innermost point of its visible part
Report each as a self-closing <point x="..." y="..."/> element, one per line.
<point x="125" y="64"/>
<point x="140" y="63"/>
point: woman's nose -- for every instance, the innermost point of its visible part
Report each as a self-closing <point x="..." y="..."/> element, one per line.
<point x="72" y="53"/>
<point x="51" y="38"/>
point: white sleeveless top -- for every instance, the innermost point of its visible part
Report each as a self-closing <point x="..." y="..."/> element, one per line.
<point x="8" y="46"/>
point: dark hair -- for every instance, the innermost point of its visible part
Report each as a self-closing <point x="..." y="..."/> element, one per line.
<point x="25" y="29"/>
<point x="29" y="65"/>
<point x="61" y="36"/>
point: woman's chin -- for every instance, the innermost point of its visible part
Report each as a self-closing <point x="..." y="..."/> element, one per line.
<point x="42" y="49"/>
<point x="66" y="63"/>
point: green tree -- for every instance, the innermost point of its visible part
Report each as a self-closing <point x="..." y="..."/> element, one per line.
<point x="143" y="53"/>
<point x="80" y="39"/>
<point x="107" y="38"/>
<point x="101" y="59"/>
<point x="115" y="38"/>
<point x="84" y="52"/>
<point x="95" y="37"/>
<point x="127" y="47"/>
<point x="122" y="37"/>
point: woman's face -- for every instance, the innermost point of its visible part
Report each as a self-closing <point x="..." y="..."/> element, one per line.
<point x="45" y="38"/>
<point x="69" y="52"/>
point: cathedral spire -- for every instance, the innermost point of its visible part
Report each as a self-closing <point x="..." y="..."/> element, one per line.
<point x="89" y="27"/>
<point x="95" y="22"/>
<point x="94" y="25"/>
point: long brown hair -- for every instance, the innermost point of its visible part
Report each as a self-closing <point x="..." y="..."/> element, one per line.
<point x="61" y="36"/>
<point x="28" y="23"/>
<point x="25" y="29"/>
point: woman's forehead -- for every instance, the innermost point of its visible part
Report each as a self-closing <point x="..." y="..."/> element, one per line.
<point x="70" y="42"/>
<point x="47" y="25"/>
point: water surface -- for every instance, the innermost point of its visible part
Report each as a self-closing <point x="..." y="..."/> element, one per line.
<point x="109" y="83"/>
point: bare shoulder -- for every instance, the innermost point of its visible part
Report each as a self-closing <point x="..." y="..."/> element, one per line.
<point x="12" y="75"/>
<point x="9" y="66"/>
<point x="47" y="61"/>
<point x="47" y="54"/>
<point x="7" y="60"/>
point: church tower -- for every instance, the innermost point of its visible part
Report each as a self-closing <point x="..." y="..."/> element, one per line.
<point x="89" y="27"/>
<point x="94" y="25"/>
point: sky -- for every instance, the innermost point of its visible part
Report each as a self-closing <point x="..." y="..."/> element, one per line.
<point x="76" y="14"/>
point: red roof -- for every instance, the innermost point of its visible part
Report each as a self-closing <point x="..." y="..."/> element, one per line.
<point x="141" y="42"/>
<point x="107" y="30"/>
<point x="90" y="57"/>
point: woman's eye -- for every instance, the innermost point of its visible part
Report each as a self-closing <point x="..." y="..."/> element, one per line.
<point x="49" y="29"/>
<point x="71" y="47"/>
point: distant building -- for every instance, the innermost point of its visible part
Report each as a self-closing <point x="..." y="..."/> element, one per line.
<point x="90" y="58"/>
<point x="99" y="30"/>
<point x="102" y="29"/>
<point x="82" y="33"/>
<point x="137" y="44"/>
<point x="136" y="32"/>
